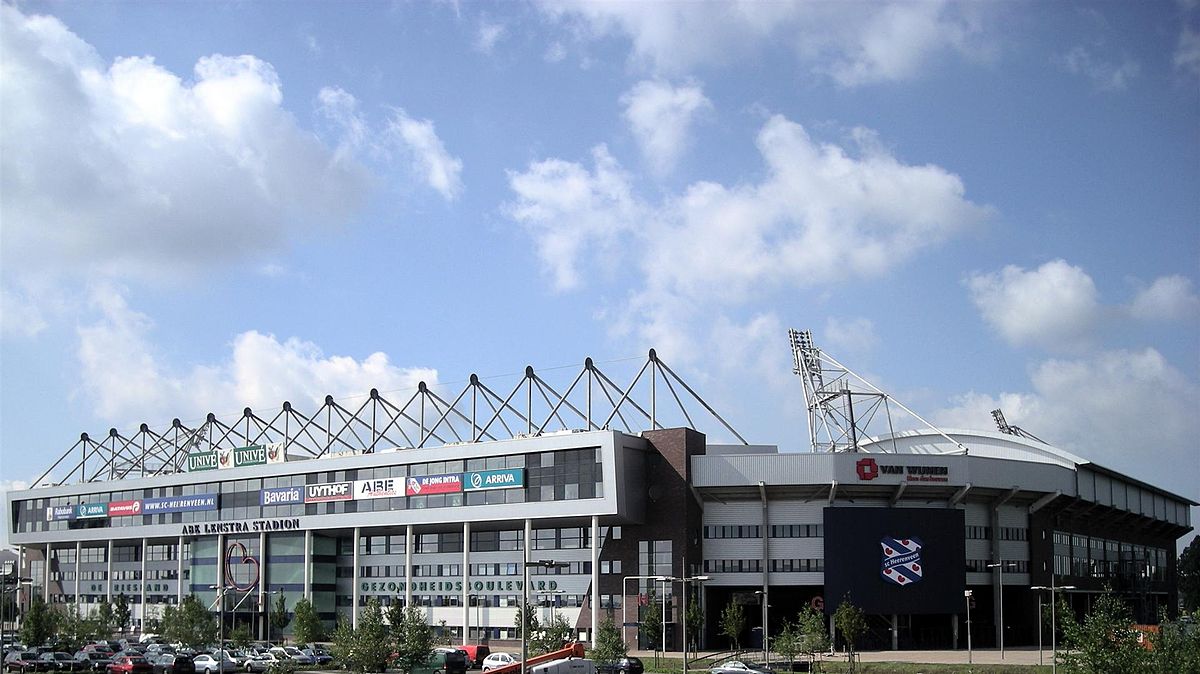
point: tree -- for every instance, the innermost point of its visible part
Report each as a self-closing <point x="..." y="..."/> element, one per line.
<point x="1176" y="647"/>
<point x="104" y="615"/>
<point x="121" y="612"/>
<point x="279" y="616"/>
<point x="306" y="627"/>
<point x="343" y="640"/>
<point x="814" y="638"/>
<point x="610" y="647"/>
<point x="733" y="621"/>
<point x="416" y="639"/>
<point x="371" y="639"/>
<point x="553" y="634"/>
<point x="240" y="636"/>
<point x="787" y="643"/>
<point x="1189" y="575"/>
<point x="651" y="627"/>
<point x="191" y="624"/>
<point x="441" y="634"/>
<point x="850" y="623"/>
<point x="530" y="621"/>
<point x="38" y="624"/>
<point x="694" y="619"/>
<point x="75" y="629"/>
<point x="1104" y="642"/>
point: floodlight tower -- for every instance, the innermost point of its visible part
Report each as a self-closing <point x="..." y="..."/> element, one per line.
<point x="842" y="406"/>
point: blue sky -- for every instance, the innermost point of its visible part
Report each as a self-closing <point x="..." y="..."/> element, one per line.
<point x="977" y="205"/>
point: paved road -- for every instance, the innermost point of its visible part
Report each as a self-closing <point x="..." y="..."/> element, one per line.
<point x="990" y="656"/>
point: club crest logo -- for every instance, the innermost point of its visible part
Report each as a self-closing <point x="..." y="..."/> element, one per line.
<point x="901" y="562"/>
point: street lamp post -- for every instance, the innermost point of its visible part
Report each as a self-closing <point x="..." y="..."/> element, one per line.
<point x="1053" y="622"/>
<point x="765" y="618"/>
<point x="545" y="564"/>
<point x="967" y="594"/>
<point x="665" y="580"/>
<point x="1000" y="566"/>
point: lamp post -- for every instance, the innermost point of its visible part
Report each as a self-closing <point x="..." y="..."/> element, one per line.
<point x="765" y="617"/>
<point x="967" y="594"/>
<point x="1000" y="566"/>
<point x="267" y="613"/>
<point x="12" y="587"/>
<point x="1053" y="622"/>
<point x="664" y="580"/>
<point x="545" y="564"/>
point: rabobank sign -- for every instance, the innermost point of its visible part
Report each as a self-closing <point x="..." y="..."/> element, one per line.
<point x="494" y="479"/>
<point x="281" y="496"/>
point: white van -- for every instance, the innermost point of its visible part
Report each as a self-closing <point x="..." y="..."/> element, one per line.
<point x="568" y="666"/>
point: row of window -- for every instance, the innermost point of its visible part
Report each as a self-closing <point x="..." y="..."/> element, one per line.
<point x="732" y="566"/>
<point x="1095" y="557"/>
<point x="1010" y="565"/>
<point x="755" y="531"/>
<point x="797" y="565"/>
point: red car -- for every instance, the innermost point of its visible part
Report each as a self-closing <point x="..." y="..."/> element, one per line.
<point x="130" y="664"/>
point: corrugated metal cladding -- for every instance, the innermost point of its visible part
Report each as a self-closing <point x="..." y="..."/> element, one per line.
<point x="977" y="515"/>
<point x="796" y="512"/>
<point x="771" y="469"/>
<point x="1013" y="516"/>
<point x="732" y="513"/>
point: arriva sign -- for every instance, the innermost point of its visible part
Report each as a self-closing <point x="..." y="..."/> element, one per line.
<point x="494" y="479"/>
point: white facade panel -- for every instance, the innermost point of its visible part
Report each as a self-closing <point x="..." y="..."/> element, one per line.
<point x="976" y="515"/>
<point x="1013" y="516"/>
<point x="796" y="512"/>
<point x="1087" y="485"/>
<point x="732" y="513"/>
<point x="797" y="548"/>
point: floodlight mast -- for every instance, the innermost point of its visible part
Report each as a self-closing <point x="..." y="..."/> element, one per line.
<point x="842" y="405"/>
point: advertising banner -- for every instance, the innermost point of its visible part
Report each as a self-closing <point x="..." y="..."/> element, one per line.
<point x="380" y="488"/>
<point x="423" y="485"/>
<point x="494" y="479"/>
<point x="84" y="510"/>
<point x="201" y="461"/>
<point x="333" y="491"/>
<point x="281" y="496"/>
<point x="60" y="513"/>
<point x="179" y="504"/>
<point x="124" y="508"/>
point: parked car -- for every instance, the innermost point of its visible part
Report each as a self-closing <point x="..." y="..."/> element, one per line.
<point x="319" y="655"/>
<point x="738" y="667"/>
<point x="23" y="661"/>
<point x="626" y="665"/>
<point x="130" y="664"/>
<point x="497" y="660"/>
<point x="209" y="664"/>
<point x="96" y="661"/>
<point x="59" y="661"/>
<point x="295" y="654"/>
<point x="476" y="653"/>
<point x="262" y="663"/>
<point x="172" y="663"/>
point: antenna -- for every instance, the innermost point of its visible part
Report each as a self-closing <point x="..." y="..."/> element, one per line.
<point x="842" y="406"/>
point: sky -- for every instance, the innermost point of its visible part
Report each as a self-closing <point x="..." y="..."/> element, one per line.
<point x="207" y="206"/>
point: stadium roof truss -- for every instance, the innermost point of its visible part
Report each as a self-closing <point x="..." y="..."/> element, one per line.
<point x="592" y="401"/>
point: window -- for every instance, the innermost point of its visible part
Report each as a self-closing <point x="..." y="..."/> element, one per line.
<point x="733" y="566"/>
<point x="737" y="531"/>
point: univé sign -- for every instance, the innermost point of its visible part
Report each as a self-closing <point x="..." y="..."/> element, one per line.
<point x="254" y="455"/>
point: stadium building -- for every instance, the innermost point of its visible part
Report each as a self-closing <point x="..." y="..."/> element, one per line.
<point x="587" y="503"/>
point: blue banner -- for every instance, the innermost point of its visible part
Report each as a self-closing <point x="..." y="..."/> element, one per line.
<point x="281" y="496"/>
<point x="494" y="479"/>
<point x="179" y="504"/>
<point x="66" y="512"/>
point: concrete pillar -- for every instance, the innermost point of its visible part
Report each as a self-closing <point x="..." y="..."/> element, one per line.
<point x="179" y="572"/>
<point x="895" y="632"/>
<point x="408" y="551"/>
<point x="145" y="554"/>
<point x="107" y="574"/>
<point x="308" y="564"/>
<point x="466" y="581"/>
<point x="354" y="600"/>
<point x="595" y="598"/>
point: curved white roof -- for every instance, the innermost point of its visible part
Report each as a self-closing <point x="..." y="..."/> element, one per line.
<point x="990" y="444"/>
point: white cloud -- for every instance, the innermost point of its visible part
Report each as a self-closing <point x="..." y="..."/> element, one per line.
<point x="1053" y="306"/>
<point x="820" y="215"/>
<point x="660" y="116"/>
<point x="853" y="335"/>
<point x="126" y="168"/>
<point x="124" y="381"/>
<point x="555" y="53"/>
<point x="19" y="315"/>
<point x="487" y="37"/>
<point x="566" y="209"/>
<point x="1122" y="409"/>
<point x="1105" y="75"/>
<point x="1187" y="52"/>
<point x="429" y="157"/>
<point x="854" y="43"/>
<point x="1168" y="298"/>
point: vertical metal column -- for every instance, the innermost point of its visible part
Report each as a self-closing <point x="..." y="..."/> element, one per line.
<point x="354" y="582"/>
<point x="408" y="549"/>
<point x="107" y="574"/>
<point x="145" y="554"/>
<point x="466" y="582"/>
<point x="308" y="562"/>
<point x="179" y="573"/>
<point x="264" y="574"/>
<point x="595" y="600"/>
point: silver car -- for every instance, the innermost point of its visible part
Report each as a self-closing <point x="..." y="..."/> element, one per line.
<point x="738" y="667"/>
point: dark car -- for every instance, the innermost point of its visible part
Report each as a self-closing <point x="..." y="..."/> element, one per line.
<point x="475" y="654"/>
<point x="59" y="661"/>
<point x="130" y="664"/>
<point x="96" y="661"/>
<point x="170" y="663"/>
<point x="23" y="661"/>
<point x="625" y="665"/>
<point x="449" y="660"/>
